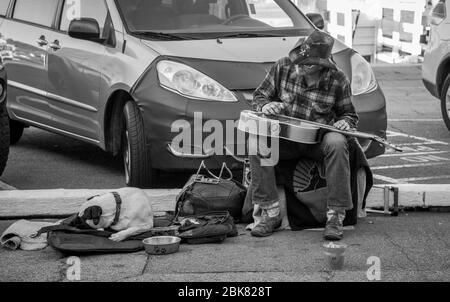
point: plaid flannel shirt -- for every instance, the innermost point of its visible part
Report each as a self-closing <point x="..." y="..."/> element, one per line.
<point x="327" y="102"/>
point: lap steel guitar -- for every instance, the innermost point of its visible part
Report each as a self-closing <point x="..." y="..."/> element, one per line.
<point x="297" y="130"/>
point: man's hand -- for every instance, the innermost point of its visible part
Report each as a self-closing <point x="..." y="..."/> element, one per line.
<point x="342" y="125"/>
<point x="273" y="108"/>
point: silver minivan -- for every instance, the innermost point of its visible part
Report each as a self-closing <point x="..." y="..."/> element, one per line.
<point x="119" y="73"/>
<point x="436" y="65"/>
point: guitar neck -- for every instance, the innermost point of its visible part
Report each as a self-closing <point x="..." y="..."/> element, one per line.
<point x="356" y="134"/>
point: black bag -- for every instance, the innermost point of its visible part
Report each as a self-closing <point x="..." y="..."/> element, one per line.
<point x="203" y="194"/>
<point x="74" y="237"/>
<point x="306" y="189"/>
<point x="213" y="227"/>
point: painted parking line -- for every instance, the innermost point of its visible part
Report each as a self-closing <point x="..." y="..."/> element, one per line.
<point x="6" y="187"/>
<point x="422" y="139"/>
<point x="421" y="144"/>
<point x="420" y="120"/>
<point x="387" y="179"/>
<point x="414" y="154"/>
<point x="412" y="179"/>
<point x="376" y="168"/>
<point x="419" y="153"/>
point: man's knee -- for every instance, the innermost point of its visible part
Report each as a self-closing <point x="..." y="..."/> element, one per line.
<point x="335" y="142"/>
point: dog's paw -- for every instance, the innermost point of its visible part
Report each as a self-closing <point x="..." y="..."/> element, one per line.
<point x="117" y="237"/>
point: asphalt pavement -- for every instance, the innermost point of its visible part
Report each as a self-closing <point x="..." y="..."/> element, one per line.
<point x="413" y="247"/>
<point x="42" y="160"/>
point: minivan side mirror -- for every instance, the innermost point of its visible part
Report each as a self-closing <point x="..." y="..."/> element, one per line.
<point x="84" y="29"/>
<point x="317" y="20"/>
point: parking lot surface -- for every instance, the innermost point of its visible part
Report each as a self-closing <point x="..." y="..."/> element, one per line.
<point x="43" y="160"/>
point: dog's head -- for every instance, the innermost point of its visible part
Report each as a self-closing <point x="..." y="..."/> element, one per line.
<point x="97" y="211"/>
<point x="92" y="216"/>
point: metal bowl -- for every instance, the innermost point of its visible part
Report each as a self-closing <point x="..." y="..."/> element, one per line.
<point x="162" y="245"/>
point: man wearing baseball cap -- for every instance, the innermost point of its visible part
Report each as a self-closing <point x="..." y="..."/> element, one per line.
<point x="307" y="85"/>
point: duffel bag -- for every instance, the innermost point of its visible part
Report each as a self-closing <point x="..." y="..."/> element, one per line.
<point x="213" y="227"/>
<point x="209" y="193"/>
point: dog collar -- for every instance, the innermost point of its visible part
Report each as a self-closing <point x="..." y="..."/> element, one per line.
<point x="118" y="207"/>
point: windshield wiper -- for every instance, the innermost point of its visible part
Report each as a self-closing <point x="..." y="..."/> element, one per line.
<point x="247" y="35"/>
<point x="161" y="35"/>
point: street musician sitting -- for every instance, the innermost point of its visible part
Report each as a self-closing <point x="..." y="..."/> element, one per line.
<point x="307" y="85"/>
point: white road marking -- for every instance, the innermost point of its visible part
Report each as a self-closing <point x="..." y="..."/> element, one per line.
<point x="405" y="180"/>
<point x="425" y="159"/>
<point x="414" y="154"/>
<point x="406" y="166"/>
<point x="6" y="187"/>
<point x="424" y="139"/>
<point x="417" y="120"/>
<point x="387" y="179"/>
<point x="388" y="134"/>
<point x="421" y="144"/>
<point x="419" y="154"/>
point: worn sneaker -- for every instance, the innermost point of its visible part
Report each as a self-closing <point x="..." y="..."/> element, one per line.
<point x="334" y="230"/>
<point x="267" y="226"/>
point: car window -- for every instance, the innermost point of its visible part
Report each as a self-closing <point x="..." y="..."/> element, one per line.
<point x="439" y="11"/>
<point x="4" y="7"/>
<point x="205" y="18"/>
<point x="74" y="9"/>
<point x="40" y="12"/>
<point x="270" y="13"/>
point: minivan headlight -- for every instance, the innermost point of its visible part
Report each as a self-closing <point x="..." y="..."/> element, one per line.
<point x="363" y="78"/>
<point x="192" y="83"/>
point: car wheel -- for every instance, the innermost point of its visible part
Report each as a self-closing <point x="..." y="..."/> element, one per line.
<point x="138" y="170"/>
<point x="16" y="131"/>
<point x="4" y="137"/>
<point x="445" y="102"/>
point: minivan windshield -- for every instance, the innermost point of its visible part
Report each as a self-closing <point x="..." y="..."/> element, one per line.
<point x="203" y="19"/>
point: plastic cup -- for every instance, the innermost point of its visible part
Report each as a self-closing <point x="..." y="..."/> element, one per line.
<point x="335" y="255"/>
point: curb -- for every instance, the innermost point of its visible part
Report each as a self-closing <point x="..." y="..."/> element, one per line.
<point x="59" y="203"/>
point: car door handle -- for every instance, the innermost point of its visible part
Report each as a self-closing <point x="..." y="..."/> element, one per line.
<point x="42" y="41"/>
<point x="55" y="45"/>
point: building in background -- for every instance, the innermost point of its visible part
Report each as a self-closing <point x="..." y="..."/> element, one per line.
<point x="380" y="30"/>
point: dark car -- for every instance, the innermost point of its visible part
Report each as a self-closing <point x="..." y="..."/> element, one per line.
<point x="127" y="75"/>
<point x="4" y="121"/>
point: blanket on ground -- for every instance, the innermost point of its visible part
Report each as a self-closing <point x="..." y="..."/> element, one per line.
<point x="19" y="235"/>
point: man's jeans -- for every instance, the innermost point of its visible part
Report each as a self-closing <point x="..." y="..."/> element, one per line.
<point x="333" y="151"/>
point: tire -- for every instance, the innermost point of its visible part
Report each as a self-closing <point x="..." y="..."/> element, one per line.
<point x="138" y="170"/>
<point x="4" y="137"/>
<point x="445" y="102"/>
<point x="16" y="131"/>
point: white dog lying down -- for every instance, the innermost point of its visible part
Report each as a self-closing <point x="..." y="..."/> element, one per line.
<point x="128" y="211"/>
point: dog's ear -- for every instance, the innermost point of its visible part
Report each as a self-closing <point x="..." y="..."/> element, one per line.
<point x="93" y="213"/>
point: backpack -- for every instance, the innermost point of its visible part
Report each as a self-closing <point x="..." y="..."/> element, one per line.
<point x="210" y="193"/>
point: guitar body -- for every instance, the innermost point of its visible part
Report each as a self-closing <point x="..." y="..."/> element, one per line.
<point x="297" y="130"/>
